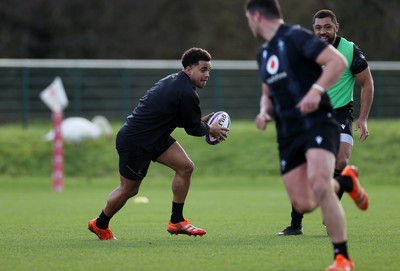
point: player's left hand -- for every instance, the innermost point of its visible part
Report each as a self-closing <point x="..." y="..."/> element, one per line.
<point x="262" y="120"/>
<point x="362" y="126"/>
<point x="218" y="131"/>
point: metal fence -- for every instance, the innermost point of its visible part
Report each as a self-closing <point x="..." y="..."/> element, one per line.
<point x="112" y="87"/>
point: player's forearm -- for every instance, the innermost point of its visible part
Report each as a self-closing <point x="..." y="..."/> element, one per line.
<point x="263" y="104"/>
<point x="266" y="105"/>
<point x="367" y="96"/>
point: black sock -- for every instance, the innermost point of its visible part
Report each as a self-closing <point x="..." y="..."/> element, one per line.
<point x="337" y="176"/>
<point x="297" y="218"/>
<point x="340" y="194"/>
<point x="346" y="184"/>
<point x="340" y="248"/>
<point x="337" y="173"/>
<point x="102" y="221"/>
<point x="177" y="212"/>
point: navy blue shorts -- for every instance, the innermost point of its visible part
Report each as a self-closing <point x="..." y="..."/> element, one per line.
<point x="292" y="151"/>
<point x="134" y="160"/>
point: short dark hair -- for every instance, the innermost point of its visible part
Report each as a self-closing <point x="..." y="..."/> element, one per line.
<point x="323" y="13"/>
<point x="193" y="55"/>
<point x="270" y="9"/>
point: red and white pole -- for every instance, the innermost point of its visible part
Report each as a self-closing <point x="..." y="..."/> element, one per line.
<point x="55" y="98"/>
<point x="58" y="152"/>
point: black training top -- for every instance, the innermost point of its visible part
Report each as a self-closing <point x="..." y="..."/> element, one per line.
<point x="287" y="65"/>
<point x="172" y="102"/>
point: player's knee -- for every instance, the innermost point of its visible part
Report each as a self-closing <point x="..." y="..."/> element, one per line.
<point x="129" y="193"/>
<point x="188" y="168"/>
<point x="133" y="193"/>
<point x="304" y="206"/>
<point x="128" y="188"/>
<point x="321" y="189"/>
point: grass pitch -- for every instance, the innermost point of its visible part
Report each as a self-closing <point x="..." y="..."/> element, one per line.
<point x="44" y="230"/>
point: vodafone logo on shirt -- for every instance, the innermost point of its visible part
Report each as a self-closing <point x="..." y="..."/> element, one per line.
<point x="272" y="68"/>
<point x="272" y="65"/>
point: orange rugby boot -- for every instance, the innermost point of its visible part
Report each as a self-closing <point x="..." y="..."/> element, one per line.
<point x="341" y="263"/>
<point x="105" y="234"/>
<point x="358" y="193"/>
<point x="184" y="227"/>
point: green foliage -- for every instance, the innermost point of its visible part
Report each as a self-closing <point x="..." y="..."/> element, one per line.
<point x="248" y="153"/>
<point x="23" y="152"/>
<point x="378" y="157"/>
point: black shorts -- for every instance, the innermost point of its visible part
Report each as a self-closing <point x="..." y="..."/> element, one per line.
<point x="345" y="117"/>
<point x="134" y="160"/>
<point x="292" y="151"/>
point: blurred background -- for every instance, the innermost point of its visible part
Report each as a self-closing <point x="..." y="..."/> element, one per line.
<point x="123" y="30"/>
<point x="162" y="29"/>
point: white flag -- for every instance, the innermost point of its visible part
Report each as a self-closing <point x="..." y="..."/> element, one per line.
<point x="54" y="96"/>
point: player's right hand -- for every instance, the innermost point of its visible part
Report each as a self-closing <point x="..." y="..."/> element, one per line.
<point x="207" y="117"/>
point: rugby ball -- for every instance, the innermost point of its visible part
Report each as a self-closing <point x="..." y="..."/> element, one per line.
<point x="223" y="119"/>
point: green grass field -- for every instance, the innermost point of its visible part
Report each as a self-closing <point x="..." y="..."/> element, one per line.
<point x="239" y="199"/>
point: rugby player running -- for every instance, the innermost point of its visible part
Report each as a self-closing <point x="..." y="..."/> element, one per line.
<point x="146" y="136"/>
<point x="326" y="27"/>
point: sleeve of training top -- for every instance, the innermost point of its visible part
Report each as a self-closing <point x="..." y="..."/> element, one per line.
<point x="307" y="43"/>
<point x="260" y="59"/>
<point x="359" y="62"/>
<point x="191" y="114"/>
